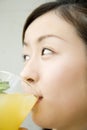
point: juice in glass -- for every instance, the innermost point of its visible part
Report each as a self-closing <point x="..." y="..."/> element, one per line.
<point x="14" y="108"/>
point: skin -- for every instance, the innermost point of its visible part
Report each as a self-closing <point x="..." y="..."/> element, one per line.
<point x="22" y="128"/>
<point x="55" y="65"/>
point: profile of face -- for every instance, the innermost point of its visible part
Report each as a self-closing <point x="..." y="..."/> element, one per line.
<point x="55" y="64"/>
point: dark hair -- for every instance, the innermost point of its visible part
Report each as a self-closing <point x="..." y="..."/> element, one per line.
<point x="73" y="11"/>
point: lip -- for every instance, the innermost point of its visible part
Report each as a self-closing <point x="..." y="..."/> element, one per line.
<point x="39" y="99"/>
<point x="38" y="95"/>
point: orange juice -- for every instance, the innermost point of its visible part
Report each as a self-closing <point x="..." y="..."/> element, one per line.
<point x="14" y="108"/>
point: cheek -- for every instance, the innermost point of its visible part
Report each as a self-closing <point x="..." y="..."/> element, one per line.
<point x="63" y="87"/>
<point x="63" y="80"/>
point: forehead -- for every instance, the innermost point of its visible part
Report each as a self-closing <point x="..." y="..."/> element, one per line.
<point x="49" y="23"/>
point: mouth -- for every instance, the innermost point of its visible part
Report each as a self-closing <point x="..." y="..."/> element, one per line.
<point x="38" y="95"/>
<point x="39" y="99"/>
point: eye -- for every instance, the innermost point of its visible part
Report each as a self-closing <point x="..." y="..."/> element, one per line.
<point x="46" y="51"/>
<point x="26" y="57"/>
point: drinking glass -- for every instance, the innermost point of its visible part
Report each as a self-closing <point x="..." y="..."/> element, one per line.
<point x="16" y="100"/>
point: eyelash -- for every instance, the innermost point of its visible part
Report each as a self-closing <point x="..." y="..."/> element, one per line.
<point x="49" y="52"/>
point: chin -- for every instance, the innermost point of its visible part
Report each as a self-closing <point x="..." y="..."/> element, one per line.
<point x="40" y="122"/>
<point x="41" y="119"/>
<point x="37" y="117"/>
<point x="40" y="114"/>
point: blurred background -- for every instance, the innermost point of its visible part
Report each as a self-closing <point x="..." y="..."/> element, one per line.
<point x="12" y="17"/>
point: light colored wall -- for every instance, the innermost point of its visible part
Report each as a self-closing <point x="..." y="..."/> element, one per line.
<point x="12" y="16"/>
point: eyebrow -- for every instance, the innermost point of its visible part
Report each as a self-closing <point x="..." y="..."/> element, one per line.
<point x="41" y="38"/>
<point x="48" y="36"/>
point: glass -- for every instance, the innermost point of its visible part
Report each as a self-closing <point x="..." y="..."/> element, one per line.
<point x="16" y="100"/>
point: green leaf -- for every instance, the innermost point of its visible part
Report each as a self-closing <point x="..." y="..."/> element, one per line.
<point x="4" y="85"/>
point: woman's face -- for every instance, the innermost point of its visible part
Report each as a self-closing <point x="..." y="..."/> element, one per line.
<point x="55" y="64"/>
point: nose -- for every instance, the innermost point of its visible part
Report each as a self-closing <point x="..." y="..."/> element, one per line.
<point x="30" y="73"/>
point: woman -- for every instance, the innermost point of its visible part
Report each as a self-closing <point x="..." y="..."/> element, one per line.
<point x="55" y="57"/>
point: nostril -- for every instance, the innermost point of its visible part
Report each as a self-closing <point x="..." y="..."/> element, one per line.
<point x="30" y="80"/>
